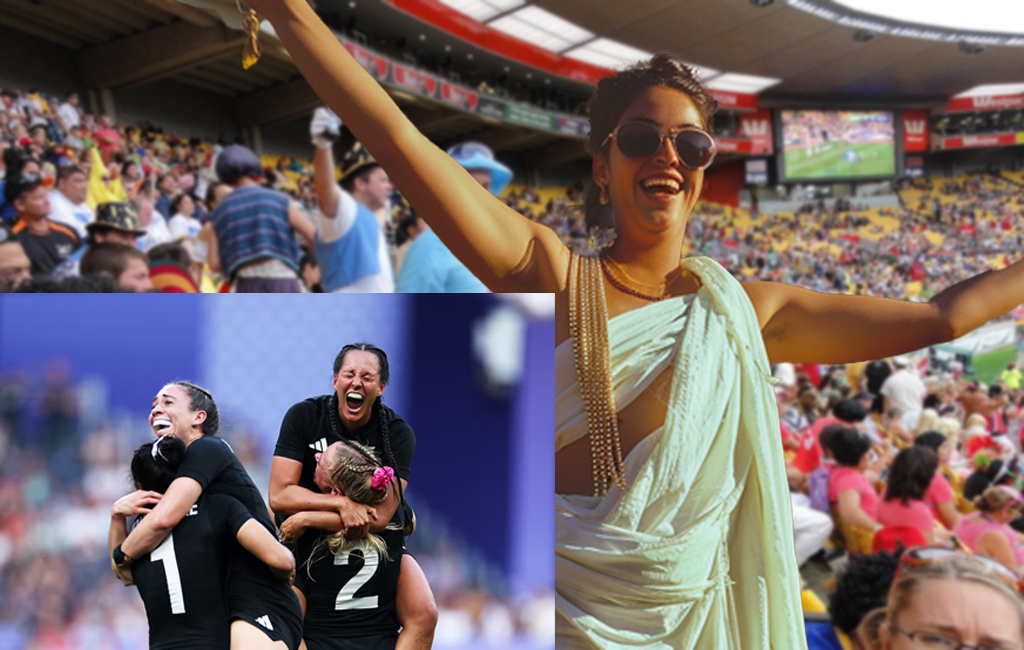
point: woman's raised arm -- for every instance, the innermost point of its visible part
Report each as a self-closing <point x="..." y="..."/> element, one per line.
<point x="506" y="251"/>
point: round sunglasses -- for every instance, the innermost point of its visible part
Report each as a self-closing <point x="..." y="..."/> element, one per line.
<point x="695" y="148"/>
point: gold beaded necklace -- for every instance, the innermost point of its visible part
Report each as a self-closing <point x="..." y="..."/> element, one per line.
<point x="588" y="325"/>
<point x="607" y="263"/>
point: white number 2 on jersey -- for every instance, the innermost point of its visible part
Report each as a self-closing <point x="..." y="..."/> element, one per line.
<point x="346" y="597"/>
<point x="165" y="553"/>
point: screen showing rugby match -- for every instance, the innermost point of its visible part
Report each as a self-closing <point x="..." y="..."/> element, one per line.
<point x="825" y="145"/>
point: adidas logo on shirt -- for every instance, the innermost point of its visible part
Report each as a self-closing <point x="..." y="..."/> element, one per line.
<point x="265" y="622"/>
<point x="320" y="445"/>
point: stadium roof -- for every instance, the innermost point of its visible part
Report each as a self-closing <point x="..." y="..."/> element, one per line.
<point x="812" y="55"/>
<point x="122" y="43"/>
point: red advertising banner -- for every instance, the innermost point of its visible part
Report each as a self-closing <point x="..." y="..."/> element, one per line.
<point x="969" y="141"/>
<point x="459" y="96"/>
<point x="731" y="145"/>
<point x="758" y="127"/>
<point x="734" y="101"/>
<point x="414" y="80"/>
<point x="372" y="63"/>
<point x="915" y="130"/>
<point x="985" y="103"/>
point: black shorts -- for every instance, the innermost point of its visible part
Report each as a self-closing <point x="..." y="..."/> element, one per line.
<point x="279" y="617"/>
<point x="353" y="643"/>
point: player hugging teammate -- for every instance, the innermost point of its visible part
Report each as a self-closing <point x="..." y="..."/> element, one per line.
<point x="338" y="479"/>
<point x="334" y="455"/>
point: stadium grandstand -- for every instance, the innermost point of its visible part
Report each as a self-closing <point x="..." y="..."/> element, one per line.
<point x="863" y="148"/>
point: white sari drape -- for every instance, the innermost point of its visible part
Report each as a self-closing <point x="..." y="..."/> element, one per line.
<point x="698" y="552"/>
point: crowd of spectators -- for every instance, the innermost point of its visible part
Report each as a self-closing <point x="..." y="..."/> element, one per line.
<point x="898" y="454"/>
<point x="64" y="461"/>
<point x="80" y="188"/>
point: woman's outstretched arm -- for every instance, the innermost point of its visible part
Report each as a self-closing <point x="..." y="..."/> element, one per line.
<point x="506" y="251"/>
<point x="804" y="326"/>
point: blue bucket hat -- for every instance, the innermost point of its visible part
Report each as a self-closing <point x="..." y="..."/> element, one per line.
<point x="476" y="155"/>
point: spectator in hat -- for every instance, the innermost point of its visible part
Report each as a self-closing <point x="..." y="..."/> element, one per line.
<point x="125" y="264"/>
<point x="904" y="389"/>
<point x="429" y="267"/>
<point x="15" y="267"/>
<point x="67" y="200"/>
<point x="115" y="222"/>
<point x="349" y="244"/>
<point x="254" y="228"/>
<point x="47" y="243"/>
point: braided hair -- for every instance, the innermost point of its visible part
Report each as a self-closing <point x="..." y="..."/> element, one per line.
<point x="376" y="409"/>
<point x="352" y="470"/>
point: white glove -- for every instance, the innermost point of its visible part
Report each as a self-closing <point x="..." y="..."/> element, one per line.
<point x="325" y="128"/>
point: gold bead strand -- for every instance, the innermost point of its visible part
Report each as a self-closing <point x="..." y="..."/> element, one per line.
<point x="588" y="324"/>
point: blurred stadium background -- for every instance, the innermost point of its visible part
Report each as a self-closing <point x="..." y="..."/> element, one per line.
<point x="859" y="152"/>
<point x="472" y="375"/>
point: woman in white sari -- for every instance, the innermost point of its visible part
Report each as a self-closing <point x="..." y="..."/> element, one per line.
<point x="689" y="542"/>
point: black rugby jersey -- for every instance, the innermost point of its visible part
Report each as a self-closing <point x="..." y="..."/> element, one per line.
<point x="351" y="594"/>
<point x="181" y="580"/>
<point x="212" y="463"/>
<point x="306" y="431"/>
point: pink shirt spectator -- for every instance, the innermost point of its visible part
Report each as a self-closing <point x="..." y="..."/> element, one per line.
<point x="971" y="527"/>
<point x="848" y="478"/>
<point x="915" y="513"/>
<point x="938" y="491"/>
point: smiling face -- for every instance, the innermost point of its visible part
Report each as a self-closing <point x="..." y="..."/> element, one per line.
<point x="171" y="414"/>
<point x="652" y="197"/>
<point x="358" y="385"/>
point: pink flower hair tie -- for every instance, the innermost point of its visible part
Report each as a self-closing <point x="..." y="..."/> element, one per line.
<point x="381" y="477"/>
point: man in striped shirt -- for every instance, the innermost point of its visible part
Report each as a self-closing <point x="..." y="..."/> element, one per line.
<point x="258" y="250"/>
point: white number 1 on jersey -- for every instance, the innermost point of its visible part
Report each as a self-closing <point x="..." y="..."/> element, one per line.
<point x="346" y="597"/>
<point x="165" y="553"/>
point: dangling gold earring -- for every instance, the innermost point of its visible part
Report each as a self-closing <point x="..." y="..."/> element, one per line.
<point x="604" y="195"/>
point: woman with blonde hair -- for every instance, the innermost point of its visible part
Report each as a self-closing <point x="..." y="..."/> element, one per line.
<point x="348" y="588"/>
<point x="947" y="600"/>
<point x="673" y="522"/>
<point x="927" y="422"/>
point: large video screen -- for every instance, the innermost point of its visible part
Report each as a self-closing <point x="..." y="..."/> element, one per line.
<point x="827" y="145"/>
